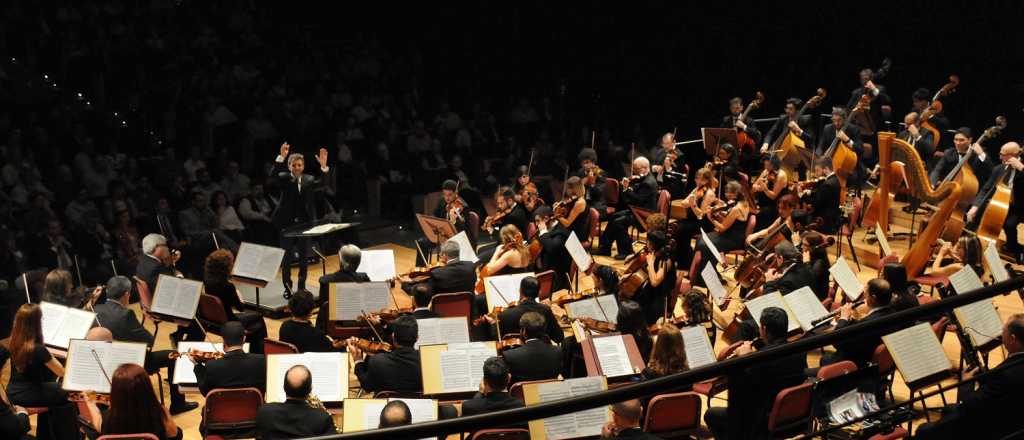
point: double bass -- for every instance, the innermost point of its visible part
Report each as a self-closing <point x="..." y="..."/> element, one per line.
<point x="935" y="107"/>
<point x="991" y="223"/>
<point x="964" y="175"/>
<point x="788" y="146"/>
<point x="745" y="143"/>
<point x="844" y="159"/>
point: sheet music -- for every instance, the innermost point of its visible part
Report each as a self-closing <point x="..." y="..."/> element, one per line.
<point x="698" y="347"/>
<point x="557" y="427"/>
<point x="53" y="316"/>
<point x="378" y="264"/>
<point x="580" y="332"/>
<point x="774" y="299"/>
<point x="176" y="296"/>
<point x="325" y="228"/>
<point x="422" y="410"/>
<point x="257" y="262"/>
<point x="588" y="422"/>
<point x="980" y="319"/>
<point x="711" y="246"/>
<point x="588" y="308"/>
<point x="508" y="285"/>
<point x="883" y="241"/>
<point x="184" y="368"/>
<point x="917" y="352"/>
<point x="578" y="254"/>
<point x="995" y="263"/>
<point x="462" y="365"/>
<point x="351" y="299"/>
<point x="442" y="331"/>
<point x="846" y="279"/>
<point x="62" y="324"/>
<point x="371" y="414"/>
<point x="806" y="306"/>
<point x="83" y="373"/>
<point x="713" y="283"/>
<point x="329" y="371"/>
<point x="612" y="356"/>
<point x="965" y="280"/>
<point x="466" y="251"/>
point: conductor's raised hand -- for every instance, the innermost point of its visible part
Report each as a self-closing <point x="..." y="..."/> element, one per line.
<point x="284" y="149"/>
<point x="321" y="157"/>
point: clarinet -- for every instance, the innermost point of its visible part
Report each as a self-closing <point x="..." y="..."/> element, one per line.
<point x="967" y="350"/>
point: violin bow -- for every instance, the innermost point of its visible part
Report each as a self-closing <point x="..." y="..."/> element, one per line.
<point x="529" y="166"/>
<point x="601" y="308"/>
<point x="593" y="138"/>
<point x="366" y="317"/>
<point x="498" y="291"/>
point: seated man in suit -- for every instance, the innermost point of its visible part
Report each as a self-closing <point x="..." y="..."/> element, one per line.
<point x="641" y="190"/>
<point x="395" y="413"/>
<point x="626" y="417"/>
<point x="493" y="394"/>
<point x="509" y="319"/>
<point x="449" y="209"/>
<point x="349" y="256"/>
<point x="158" y="259"/>
<point x="236" y="369"/>
<point x="861" y="349"/>
<point x="822" y="199"/>
<point x="792" y="274"/>
<point x="115" y="315"/>
<point x="963" y="143"/>
<point x="453" y="275"/>
<point x="294" y="418"/>
<point x="422" y="294"/>
<point x="301" y="333"/>
<point x="990" y="411"/>
<point x="537" y="359"/>
<point x="760" y="385"/>
<point x="921" y="140"/>
<point x="398" y="370"/>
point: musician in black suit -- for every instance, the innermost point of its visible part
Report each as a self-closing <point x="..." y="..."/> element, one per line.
<point x="920" y="100"/>
<point x="792" y="274"/>
<point x="595" y="187"/>
<point x="963" y="141"/>
<point x="785" y="124"/>
<point x="625" y="423"/>
<point x="349" y="257"/>
<point x="114" y="314"/>
<point x="529" y="289"/>
<point x="822" y="200"/>
<point x="553" y="255"/>
<point x="537" y="359"/>
<point x="881" y="103"/>
<point x="453" y="275"/>
<point x="301" y="333"/>
<point x="746" y="157"/>
<point x="861" y="349"/>
<point x="294" y="418"/>
<point x="236" y="369"/>
<point x="1009" y="155"/>
<point x="493" y="394"/>
<point x="516" y="215"/>
<point x="297" y="206"/>
<point x="422" y="294"/>
<point x="991" y="410"/>
<point x="922" y="140"/>
<point x="449" y="209"/>
<point x="157" y="259"/>
<point x="756" y="389"/>
<point x="640" y="190"/>
<point x="851" y="136"/>
<point x="398" y="370"/>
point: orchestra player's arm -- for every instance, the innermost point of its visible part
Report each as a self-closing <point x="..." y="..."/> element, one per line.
<point x="726" y="223"/>
<point x="780" y="184"/>
<point x="500" y="259"/>
<point x="760" y="234"/>
<point x="577" y="209"/>
<point x="941" y="270"/>
<point x="656" y="271"/>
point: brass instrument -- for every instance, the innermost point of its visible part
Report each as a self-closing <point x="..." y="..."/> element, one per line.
<point x="315" y="403"/>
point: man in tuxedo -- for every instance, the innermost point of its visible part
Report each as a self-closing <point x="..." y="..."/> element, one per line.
<point x="881" y="104"/>
<point x="921" y="140"/>
<point x="991" y="410"/>
<point x="493" y="394"/>
<point x="792" y="274"/>
<point x="158" y="259"/>
<point x="115" y="315"/>
<point x="421" y="293"/>
<point x="822" y="201"/>
<point x="349" y="257"/>
<point x="861" y="349"/>
<point x="297" y="206"/>
<point x="642" y="191"/>
<point x="446" y="209"/>
<point x="786" y="123"/>
<point x="398" y="370"/>
<point x="529" y="289"/>
<point x="746" y="157"/>
<point x="661" y="153"/>
<point x="595" y="187"/>
<point x="1009" y="156"/>
<point x="850" y="136"/>
<point x="537" y="358"/>
<point x="751" y="396"/>
<point x="453" y="275"/>
<point x="963" y="142"/>
<point x="237" y="369"/>
<point x="299" y="332"/>
<point x="553" y="254"/>
<point x="626" y="417"/>
<point x="294" y="418"/>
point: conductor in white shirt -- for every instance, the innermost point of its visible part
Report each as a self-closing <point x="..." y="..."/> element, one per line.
<point x="297" y="206"/>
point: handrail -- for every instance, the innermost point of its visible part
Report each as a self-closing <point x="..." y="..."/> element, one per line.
<point x="679" y="380"/>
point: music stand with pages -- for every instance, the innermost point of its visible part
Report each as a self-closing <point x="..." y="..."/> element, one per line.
<point x="176" y="300"/>
<point x="61" y="324"/>
<point x="317" y="231"/>
<point x="91" y="364"/>
<point x="256" y="265"/>
<point x="714" y="137"/>
<point x="329" y="370"/>
<point x="614" y="356"/>
<point x="580" y="424"/>
<point x="919" y="358"/>
<point x="436" y="230"/>
<point x="454" y="370"/>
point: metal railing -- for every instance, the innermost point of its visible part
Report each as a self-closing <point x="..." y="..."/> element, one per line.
<point x="685" y="379"/>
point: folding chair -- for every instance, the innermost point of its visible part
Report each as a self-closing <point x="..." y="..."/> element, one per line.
<point x="273" y="346"/>
<point x="837" y="369"/>
<point x="673" y="415"/>
<point x="791" y="411"/>
<point x="232" y="410"/>
<point x="452" y="304"/>
<point x="211" y="313"/>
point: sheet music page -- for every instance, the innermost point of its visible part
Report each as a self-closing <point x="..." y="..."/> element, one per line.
<point x="75" y="325"/>
<point x="711" y="246"/>
<point x="846" y="279"/>
<point x="455" y="371"/>
<point x="557" y="427"/>
<point x="774" y="299"/>
<point x="184" y="368"/>
<point x="578" y="254"/>
<point x="379" y="265"/>
<point x="588" y="308"/>
<point x="82" y="372"/>
<point x="965" y="280"/>
<point x="713" y="283"/>
<point x="177" y="296"/>
<point x="612" y="356"/>
<point x="329" y="371"/>
<point x="980" y="321"/>
<point x="371" y="414"/>
<point x="257" y="261"/>
<point x="466" y="250"/>
<point x="353" y="298"/>
<point x="325" y="228"/>
<point x="917" y="352"/>
<point x="698" y="347"/>
<point x="454" y="329"/>
<point x="53" y="317"/>
<point x="995" y="263"/>
<point x="423" y="410"/>
<point x="429" y="332"/>
<point x="883" y="241"/>
<point x="119" y="353"/>
<point x="507" y="285"/>
<point x="589" y="422"/>
<point x="806" y="306"/>
<point x="579" y="331"/>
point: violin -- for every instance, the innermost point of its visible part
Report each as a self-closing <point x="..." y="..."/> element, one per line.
<point x="418" y="274"/>
<point x="385" y="315"/>
<point x="530" y="197"/>
<point x="493" y="314"/>
<point x="197" y="356"/>
<point x="508" y="342"/>
<point x="369" y="346"/>
<point x="596" y="325"/>
<point x="89" y="396"/>
<point x="635" y="274"/>
<point x="564" y="207"/>
<point x="489" y="222"/>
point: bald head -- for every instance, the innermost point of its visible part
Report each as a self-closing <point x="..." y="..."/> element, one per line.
<point x="395" y="413"/>
<point x="910" y="118"/>
<point x="668" y="140"/>
<point x="627" y="413"/>
<point x="1011" y="149"/>
<point x="99" y="334"/>
<point x="641" y="165"/>
<point x="298" y="382"/>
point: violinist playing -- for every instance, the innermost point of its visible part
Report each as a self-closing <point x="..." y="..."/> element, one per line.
<point x="661" y="275"/>
<point x="509" y="319"/>
<point x="699" y="203"/>
<point x="526" y="191"/>
<point x="509" y="212"/>
<point x="511" y="256"/>
<point x="397" y="370"/>
<point x="730" y="226"/>
<point x="667" y="165"/>
<point x="452" y="208"/>
<point x="641" y="190"/>
<point x="452" y="275"/>
<point x="594" y="180"/>
<point x="772" y="184"/>
<point x="820" y="195"/>
<point x="551" y="237"/>
<point x="572" y="212"/>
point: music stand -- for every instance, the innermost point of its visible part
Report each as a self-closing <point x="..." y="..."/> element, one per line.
<point x="437" y="230"/>
<point x="714" y="137"/>
<point x="312" y="230"/>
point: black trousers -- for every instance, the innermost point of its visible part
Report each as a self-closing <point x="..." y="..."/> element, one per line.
<point x="1010" y="229"/>
<point x="617" y="231"/>
<point x="59" y="422"/>
<point x="295" y="249"/>
<point x="717" y="419"/>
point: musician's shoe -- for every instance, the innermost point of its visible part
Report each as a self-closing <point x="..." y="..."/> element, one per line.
<point x="602" y="251"/>
<point x="183" y="407"/>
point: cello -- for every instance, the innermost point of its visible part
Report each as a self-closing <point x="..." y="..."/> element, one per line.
<point x="935" y="107"/>
<point x="788" y="146"/>
<point x="991" y="223"/>
<point x="844" y="159"/>
<point x="745" y="143"/>
<point x="968" y="182"/>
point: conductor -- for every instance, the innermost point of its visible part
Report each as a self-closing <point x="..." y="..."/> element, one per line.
<point x="297" y="206"/>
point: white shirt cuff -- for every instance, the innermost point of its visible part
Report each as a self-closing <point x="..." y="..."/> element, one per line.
<point x="325" y="169"/>
<point x="982" y="157"/>
<point x="279" y="159"/>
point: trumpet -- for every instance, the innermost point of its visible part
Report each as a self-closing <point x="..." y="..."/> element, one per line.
<point x="315" y="403"/>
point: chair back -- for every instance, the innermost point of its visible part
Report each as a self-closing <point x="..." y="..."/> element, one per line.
<point x="595" y="225"/>
<point x="792" y="408"/>
<point x="673" y="414"/>
<point x="139" y="436"/>
<point x="837" y="369"/>
<point x="611" y="192"/>
<point x="501" y="434"/>
<point x="232" y="409"/>
<point x="546" y="279"/>
<point x="211" y="310"/>
<point x="939" y="327"/>
<point x="664" y="200"/>
<point x="884" y="360"/>
<point x="145" y="295"/>
<point x="273" y="346"/>
<point x="452" y="304"/>
<point x="472" y="226"/>
<point x="516" y="390"/>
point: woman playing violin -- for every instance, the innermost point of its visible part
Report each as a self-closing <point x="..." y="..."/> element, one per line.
<point x="769" y="186"/>
<point x="699" y="203"/>
<point x="572" y="211"/>
<point x="512" y="256"/>
<point x="729" y="229"/>
<point x="661" y="275"/>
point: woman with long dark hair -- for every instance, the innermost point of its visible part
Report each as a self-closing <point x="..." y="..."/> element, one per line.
<point x="815" y="251"/>
<point x="134" y="407"/>
<point x="904" y="296"/>
<point x="950" y="259"/>
<point x="630" y="321"/>
<point x="34" y="373"/>
<point x="661" y="276"/>
<point x="668" y="355"/>
<point x="216" y="271"/>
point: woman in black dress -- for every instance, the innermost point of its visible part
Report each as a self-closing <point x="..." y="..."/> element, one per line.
<point x="729" y="231"/>
<point x="134" y="407"/>
<point x="698" y="204"/>
<point x="661" y="276"/>
<point x="772" y="184"/>
<point x="216" y="270"/>
<point x="815" y="250"/>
